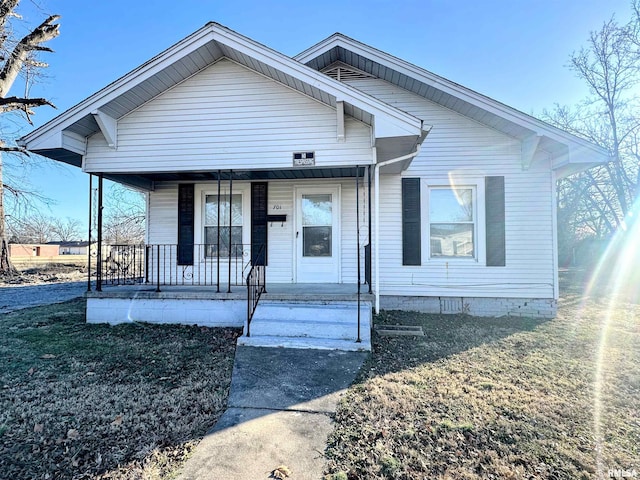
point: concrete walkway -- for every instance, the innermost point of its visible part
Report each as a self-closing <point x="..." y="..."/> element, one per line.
<point x="279" y="413"/>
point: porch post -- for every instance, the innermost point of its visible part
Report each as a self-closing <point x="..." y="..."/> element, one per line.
<point x="230" y="223"/>
<point x="218" y="244"/>
<point x="369" y="224"/>
<point x="89" y="240"/>
<point x="99" y="256"/>
<point x="358" y="340"/>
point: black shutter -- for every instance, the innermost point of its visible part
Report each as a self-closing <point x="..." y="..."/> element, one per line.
<point x="411" y="243"/>
<point x="494" y="204"/>
<point x="185" y="224"/>
<point x="258" y="223"/>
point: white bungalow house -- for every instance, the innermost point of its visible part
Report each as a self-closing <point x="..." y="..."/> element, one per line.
<point x="339" y="177"/>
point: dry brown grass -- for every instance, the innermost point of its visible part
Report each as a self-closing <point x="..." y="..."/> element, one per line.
<point x="496" y="398"/>
<point x="93" y="401"/>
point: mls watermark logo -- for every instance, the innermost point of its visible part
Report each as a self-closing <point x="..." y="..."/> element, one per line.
<point x="621" y="473"/>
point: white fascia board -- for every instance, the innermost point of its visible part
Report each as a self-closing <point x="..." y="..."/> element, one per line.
<point x="538" y="127"/>
<point x="58" y="140"/>
<point x="578" y="158"/>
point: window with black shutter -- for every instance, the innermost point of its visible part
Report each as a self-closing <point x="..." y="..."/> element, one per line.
<point x="495" y="221"/>
<point x="185" y="223"/>
<point x="411" y="241"/>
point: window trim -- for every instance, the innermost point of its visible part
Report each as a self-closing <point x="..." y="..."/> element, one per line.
<point x="476" y="183"/>
<point x="201" y="191"/>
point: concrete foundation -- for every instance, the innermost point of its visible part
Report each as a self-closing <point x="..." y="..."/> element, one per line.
<point x="186" y="311"/>
<point x="477" y="306"/>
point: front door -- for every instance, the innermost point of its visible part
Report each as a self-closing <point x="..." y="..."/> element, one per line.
<point x="317" y="235"/>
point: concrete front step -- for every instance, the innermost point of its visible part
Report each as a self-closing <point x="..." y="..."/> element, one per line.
<point x="305" y="342"/>
<point x="317" y="312"/>
<point x="326" y="325"/>
<point x="308" y="328"/>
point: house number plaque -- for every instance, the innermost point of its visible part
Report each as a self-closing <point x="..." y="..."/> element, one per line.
<point x="304" y="159"/>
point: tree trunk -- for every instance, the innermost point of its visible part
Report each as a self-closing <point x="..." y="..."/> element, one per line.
<point x="6" y="268"/>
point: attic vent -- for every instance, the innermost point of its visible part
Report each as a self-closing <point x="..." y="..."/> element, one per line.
<point x="343" y="72"/>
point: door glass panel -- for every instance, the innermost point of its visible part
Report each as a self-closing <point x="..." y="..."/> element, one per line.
<point x="316" y="241"/>
<point x="316" y="210"/>
<point x="317" y="222"/>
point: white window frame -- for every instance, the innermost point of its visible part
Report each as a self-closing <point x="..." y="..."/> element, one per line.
<point x="476" y="184"/>
<point x="201" y="192"/>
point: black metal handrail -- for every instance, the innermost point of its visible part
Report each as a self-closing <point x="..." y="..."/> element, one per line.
<point x="161" y="265"/>
<point x="121" y="264"/>
<point x="256" y="286"/>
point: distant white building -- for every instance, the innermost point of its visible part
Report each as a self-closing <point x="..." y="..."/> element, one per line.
<point x="72" y="248"/>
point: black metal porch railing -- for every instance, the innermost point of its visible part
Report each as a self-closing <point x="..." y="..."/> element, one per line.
<point x="256" y="286"/>
<point x="160" y="265"/>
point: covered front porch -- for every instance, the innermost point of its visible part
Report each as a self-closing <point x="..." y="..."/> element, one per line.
<point x="298" y="277"/>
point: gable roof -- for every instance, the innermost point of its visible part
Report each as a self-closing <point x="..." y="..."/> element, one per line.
<point x="569" y="152"/>
<point x="63" y="137"/>
<point x="315" y="73"/>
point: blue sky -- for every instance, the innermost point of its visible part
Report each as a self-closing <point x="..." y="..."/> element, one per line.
<point x="515" y="51"/>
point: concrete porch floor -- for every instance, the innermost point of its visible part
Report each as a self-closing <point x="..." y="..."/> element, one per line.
<point x="275" y="291"/>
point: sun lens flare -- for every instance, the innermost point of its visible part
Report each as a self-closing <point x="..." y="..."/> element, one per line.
<point x="618" y="271"/>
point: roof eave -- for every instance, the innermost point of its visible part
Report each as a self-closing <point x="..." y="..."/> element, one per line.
<point x="536" y="126"/>
<point x="390" y="121"/>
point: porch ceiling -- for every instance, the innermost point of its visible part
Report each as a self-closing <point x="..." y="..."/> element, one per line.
<point x="147" y="180"/>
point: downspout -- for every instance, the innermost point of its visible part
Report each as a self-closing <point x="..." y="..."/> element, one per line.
<point x="377" y="214"/>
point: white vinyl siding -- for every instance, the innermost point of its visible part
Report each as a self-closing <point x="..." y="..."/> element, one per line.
<point x="162" y="214"/>
<point x="228" y="117"/>
<point x="163" y="220"/>
<point x="456" y="148"/>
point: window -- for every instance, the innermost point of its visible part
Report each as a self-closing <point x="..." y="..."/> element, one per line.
<point x="317" y="222"/>
<point x="452" y="222"/>
<point x="211" y="225"/>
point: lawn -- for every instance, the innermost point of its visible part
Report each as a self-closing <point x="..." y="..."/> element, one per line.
<point x="93" y="401"/>
<point x="505" y="398"/>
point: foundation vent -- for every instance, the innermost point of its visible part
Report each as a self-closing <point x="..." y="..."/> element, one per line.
<point x="451" y="305"/>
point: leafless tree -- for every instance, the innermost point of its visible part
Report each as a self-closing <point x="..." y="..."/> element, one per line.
<point x="67" y="230"/>
<point x="600" y="201"/>
<point x="124" y="220"/>
<point x="34" y="228"/>
<point x="18" y="56"/>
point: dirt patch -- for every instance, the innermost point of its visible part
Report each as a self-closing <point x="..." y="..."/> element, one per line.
<point x="44" y="274"/>
<point x="94" y="401"/>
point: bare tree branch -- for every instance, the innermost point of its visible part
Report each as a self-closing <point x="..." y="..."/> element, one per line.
<point x="19" y="56"/>
<point x="47" y="30"/>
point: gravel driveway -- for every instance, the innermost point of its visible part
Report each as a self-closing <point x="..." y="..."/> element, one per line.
<point x="15" y="297"/>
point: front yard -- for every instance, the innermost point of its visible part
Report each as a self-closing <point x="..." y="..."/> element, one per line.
<point x="93" y="401"/>
<point x="497" y="398"/>
<point x="474" y="398"/>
